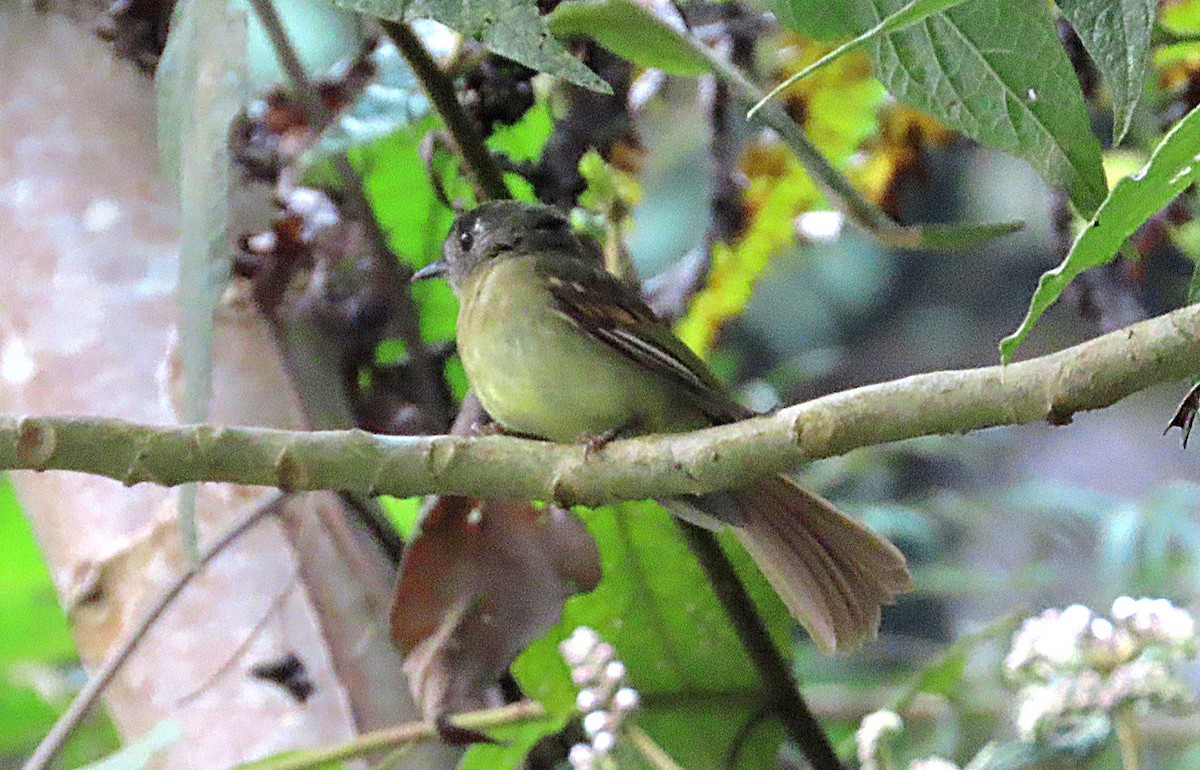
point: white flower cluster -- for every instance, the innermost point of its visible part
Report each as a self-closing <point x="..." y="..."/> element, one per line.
<point x="1075" y="666"/>
<point x="871" y="738"/>
<point x="603" y="699"/>
<point x="874" y="734"/>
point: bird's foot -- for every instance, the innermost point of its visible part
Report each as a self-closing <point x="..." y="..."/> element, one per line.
<point x="490" y="429"/>
<point x="595" y="442"/>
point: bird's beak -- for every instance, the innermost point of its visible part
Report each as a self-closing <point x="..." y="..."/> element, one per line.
<point x="432" y="270"/>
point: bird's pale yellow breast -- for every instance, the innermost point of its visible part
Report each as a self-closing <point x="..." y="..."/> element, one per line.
<point x="536" y="372"/>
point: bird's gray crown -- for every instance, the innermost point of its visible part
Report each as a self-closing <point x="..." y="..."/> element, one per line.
<point x="499" y="229"/>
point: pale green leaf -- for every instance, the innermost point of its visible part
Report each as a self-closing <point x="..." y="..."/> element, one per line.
<point x="511" y="28"/>
<point x="1116" y="33"/>
<point x="630" y="31"/>
<point x="1172" y="168"/>
<point x="200" y="84"/>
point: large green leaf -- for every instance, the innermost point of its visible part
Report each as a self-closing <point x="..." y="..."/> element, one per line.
<point x="34" y="630"/>
<point x="34" y="627"/>
<point x="656" y="607"/>
<point x="1172" y="168"/>
<point x="511" y="28"/>
<point x="1117" y="35"/>
<point x="629" y="30"/>
<point x="994" y="70"/>
<point x="911" y="13"/>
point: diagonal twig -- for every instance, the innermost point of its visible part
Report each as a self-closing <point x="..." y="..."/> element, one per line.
<point x="426" y="364"/>
<point x="489" y="182"/>
<point x="404" y="736"/>
<point x="91" y="692"/>
<point x="781" y="686"/>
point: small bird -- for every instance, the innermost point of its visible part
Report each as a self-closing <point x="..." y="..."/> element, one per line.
<point x="556" y="347"/>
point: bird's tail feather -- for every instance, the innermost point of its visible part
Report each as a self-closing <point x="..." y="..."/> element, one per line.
<point x="833" y="573"/>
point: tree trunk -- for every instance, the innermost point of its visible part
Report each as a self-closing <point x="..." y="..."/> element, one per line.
<point x="87" y="315"/>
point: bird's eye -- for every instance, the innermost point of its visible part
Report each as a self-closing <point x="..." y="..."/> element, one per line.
<point x="465" y="240"/>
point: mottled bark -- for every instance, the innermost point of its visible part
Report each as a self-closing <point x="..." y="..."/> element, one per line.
<point x="87" y="314"/>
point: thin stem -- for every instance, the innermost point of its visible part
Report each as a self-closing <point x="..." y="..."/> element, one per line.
<point x="392" y="761"/>
<point x="317" y="112"/>
<point x="427" y="368"/>
<point x="1163" y="35"/>
<point x="1129" y="737"/>
<point x="781" y="686"/>
<point x="831" y="181"/>
<point x="405" y="735"/>
<point x="484" y="172"/>
<point x="371" y="515"/>
<point x="91" y="692"/>
<point x="653" y="753"/>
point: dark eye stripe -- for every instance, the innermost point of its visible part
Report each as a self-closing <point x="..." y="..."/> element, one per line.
<point x="466" y="240"/>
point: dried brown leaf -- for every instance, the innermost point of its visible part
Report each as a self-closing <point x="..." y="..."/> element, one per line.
<point x="480" y="581"/>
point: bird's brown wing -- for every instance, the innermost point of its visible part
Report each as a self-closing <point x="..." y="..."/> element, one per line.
<point x="614" y="313"/>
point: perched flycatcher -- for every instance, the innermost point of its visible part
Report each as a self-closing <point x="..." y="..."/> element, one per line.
<point x="556" y="347"/>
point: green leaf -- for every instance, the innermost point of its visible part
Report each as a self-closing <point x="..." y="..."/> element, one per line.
<point x="655" y="606"/>
<point x="414" y="221"/>
<point x="511" y="28"/>
<point x="946" y="237"/>
<point x="403" y="512"/>
<point x="1116" y="33"/>
<point x="1173" y="167"/>
<point x="995" y="71"/>
<point x="35" y="627"/>
<point x="138" y="754"/>
<point x="523" y="141"/>
<point x="819" y="19"/>
<point x="515" y="741"/>
<point x="34" y="631"/>
<point x="629" y="30"/>
<point x="915" y="11"/>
